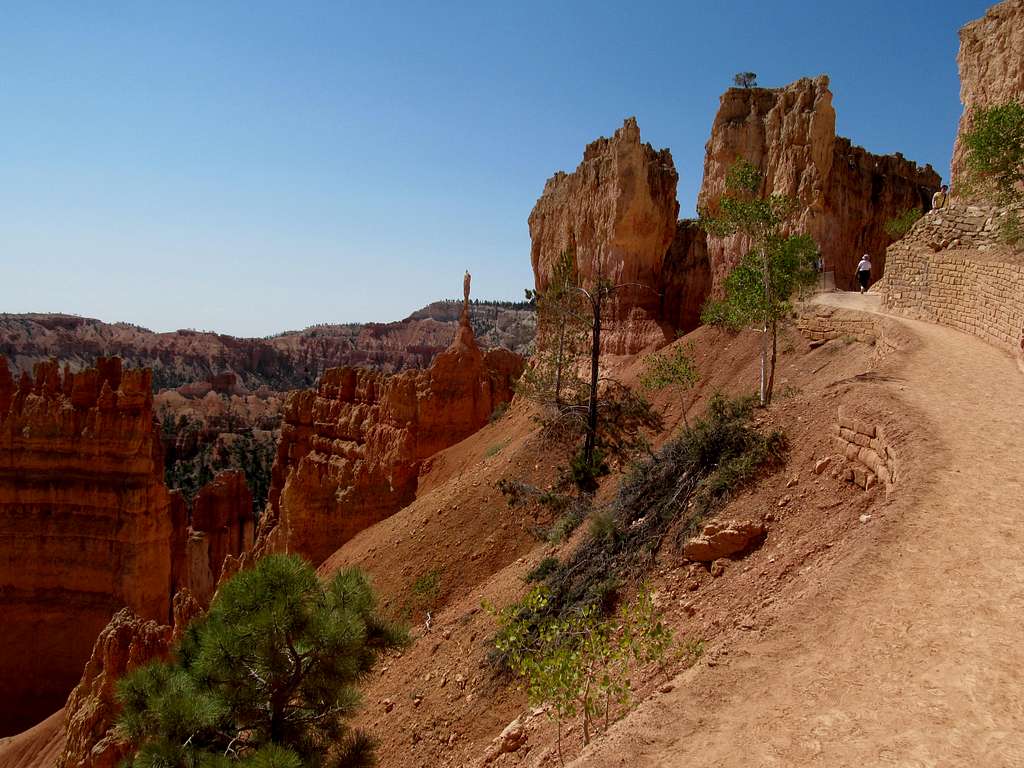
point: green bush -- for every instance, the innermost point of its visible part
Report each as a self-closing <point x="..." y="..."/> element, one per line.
<point x="678" y="487"/>
<point x="267" y="678"/>
<point x="544" y="567"/>
<point x="898" y="227"/>
<point x="581" y="664"/>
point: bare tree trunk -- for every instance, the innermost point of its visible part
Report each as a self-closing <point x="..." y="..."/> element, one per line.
<point x="771" y="371"/>
<point x="764" y="365"/>
<point x="595" y="358"/>
<point x="558" y="364"/>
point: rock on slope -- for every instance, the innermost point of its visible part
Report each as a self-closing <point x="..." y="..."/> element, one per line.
<point x="287" y="361"/>
<point x="351" y="450"/>
<point x="846" y="193"/>
<point x="991" y="62"/>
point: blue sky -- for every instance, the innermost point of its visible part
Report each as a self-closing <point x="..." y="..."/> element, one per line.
<point x="255" y="167"/>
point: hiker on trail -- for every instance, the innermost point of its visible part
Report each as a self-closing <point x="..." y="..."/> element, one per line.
<point x="939" y="198"/>
<point x="864" y="273"/>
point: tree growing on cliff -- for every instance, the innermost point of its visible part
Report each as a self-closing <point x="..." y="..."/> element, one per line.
<point x="758" y="290"/>
<point x="553" y="375"/>
<point x="266" y="679"/>
<point x="995" y="161"/>
<point x="745" y="79"/>
<point x="995" y="152"/>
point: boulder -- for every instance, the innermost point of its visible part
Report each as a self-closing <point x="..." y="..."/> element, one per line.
<point x="724" y="539"/>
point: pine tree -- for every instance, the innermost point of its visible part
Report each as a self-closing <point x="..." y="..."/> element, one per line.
<point x="266" y="679"/>
<point x="758" y="290"/>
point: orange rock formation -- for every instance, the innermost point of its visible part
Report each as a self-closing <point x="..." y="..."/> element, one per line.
<point x="87" y="526"/>
<point x="845" y="192"/>
<point x="617" y="212"/>
<point x="351" y="449"/>
<point x="991" y="62"/>
<point x="125" y="643"/>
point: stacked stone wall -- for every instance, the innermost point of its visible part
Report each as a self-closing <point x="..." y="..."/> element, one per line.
<point x="872" y="458"/>
<point x="820" y="323"/>
<point x="952" y="269"/>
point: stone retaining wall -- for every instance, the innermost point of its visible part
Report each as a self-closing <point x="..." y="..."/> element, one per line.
<point x="820" y="322"/>
<point x="872" y="458"/>
<point x="952" y="269"/>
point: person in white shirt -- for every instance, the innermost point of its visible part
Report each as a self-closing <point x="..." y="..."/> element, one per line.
<point x="939" y="198"/>
<point x="864" y="273"/>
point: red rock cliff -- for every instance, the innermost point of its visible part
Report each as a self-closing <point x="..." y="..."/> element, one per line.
<point x="991" y="62"/>
<point x="846" y="193"/>
<point x="617" y="211"/>
<point x="88" y="527"/>
<point x="85" y="524"/>
<point x="351" y="449"/>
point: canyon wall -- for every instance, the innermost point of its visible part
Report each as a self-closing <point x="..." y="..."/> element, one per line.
<point x="127" y="642"/>
<point x="88" y="527"/>
<point x="991" y="62"/>
<point x="617" y="213"/>
<point x="845" y="193"/>
<point x="85" y="524"/>
<point x="286" y="361"/>
<point x="351" y="449"/>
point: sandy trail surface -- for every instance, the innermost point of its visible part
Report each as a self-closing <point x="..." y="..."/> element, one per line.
<point x="916" y="658"/>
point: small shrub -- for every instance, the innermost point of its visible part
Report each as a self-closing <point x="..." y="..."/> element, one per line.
<point x="544" y="567"/>
<point x="898" y="227"/>
<point x="581" y="664"/>
<point x="585" y="472"/>
<point x="499" y="412"/>
<point x="563" y="527"/>
<point x="494" y="450"/>
<point x="1011" y="231"/>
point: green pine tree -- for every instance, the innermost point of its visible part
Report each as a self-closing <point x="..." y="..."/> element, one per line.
<point x="266" y="679"/>
<point x="759" y="288"/>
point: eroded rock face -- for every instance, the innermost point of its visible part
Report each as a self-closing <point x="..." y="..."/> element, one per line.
<point x="846" y="193"/>
<point x="617" y="212"/>
<point x="85" y="524"/>
<point x="685" y="277"/>
<point x="991" y="62"/>
<point x="351" y="449"/>
<point x="287" y="361"/>
<point x="125" y="643"/>
<point x="221" y="524"/>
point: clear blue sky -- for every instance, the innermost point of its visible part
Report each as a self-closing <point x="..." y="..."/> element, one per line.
<point x="254" y="167"/>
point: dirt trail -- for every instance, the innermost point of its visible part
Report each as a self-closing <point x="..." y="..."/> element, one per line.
<point x="919" y="659"/>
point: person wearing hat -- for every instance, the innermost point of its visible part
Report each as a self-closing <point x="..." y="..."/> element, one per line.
<point x="864" y="273"/>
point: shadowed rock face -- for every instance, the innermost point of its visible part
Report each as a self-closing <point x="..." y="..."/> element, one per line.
<point x="846" y="193"/>
<point x="126" y="643"/>
<point x="351" y="449"/>
<point x="85" y="524"/>
<point x="617" y="212"/>
<point x="991" y="62"/>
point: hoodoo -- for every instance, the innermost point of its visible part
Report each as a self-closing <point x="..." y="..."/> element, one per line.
<point x="617" y="214"/>
<point x="846" y="194"/>
<point x="351" y="449"/>
<point x="991" y="62"/>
